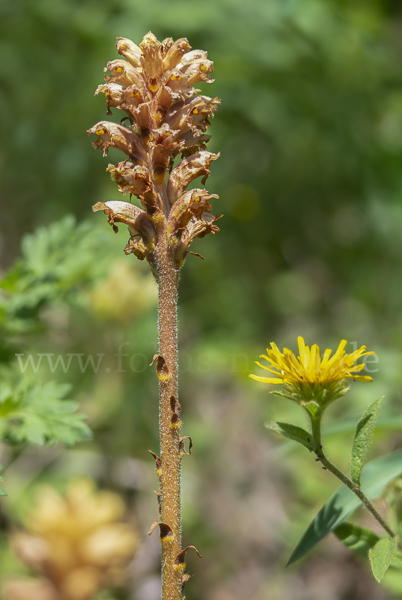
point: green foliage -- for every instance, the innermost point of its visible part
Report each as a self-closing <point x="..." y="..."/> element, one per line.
<point x="56" y="261"/>
<point x="376" y="475"/>
<point x="381" y="556"/>
<point x="292" y="432"/>
<point x="358" y="539"/>
<point x="60" y="267"/>
<point x="362" y="440"/>
<point x="37" y="414"/>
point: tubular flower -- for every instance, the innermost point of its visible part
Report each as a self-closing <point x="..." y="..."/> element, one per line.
<point x="164" y="118"/>
<point x="308" y="377"/>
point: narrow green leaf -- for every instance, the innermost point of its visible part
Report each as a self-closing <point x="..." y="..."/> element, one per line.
<point x="376" y="475"/>
<point x="381" y="556"/>
<point x="292" y="432"/>
<point x="358" y="539"/>
<point x="363" y="435"/>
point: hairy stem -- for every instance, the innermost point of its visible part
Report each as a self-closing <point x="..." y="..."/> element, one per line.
<point x="169" y="474"/>
<point x="316" y="431"/>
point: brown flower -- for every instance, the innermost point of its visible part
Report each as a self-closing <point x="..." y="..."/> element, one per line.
<point x="165" y="118"/>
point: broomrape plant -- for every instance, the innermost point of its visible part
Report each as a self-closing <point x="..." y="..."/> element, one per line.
<point x="163" y="137"/>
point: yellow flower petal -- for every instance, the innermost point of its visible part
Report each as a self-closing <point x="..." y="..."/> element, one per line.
<point x="266" y="379"/>
<point x="309" y="368"/>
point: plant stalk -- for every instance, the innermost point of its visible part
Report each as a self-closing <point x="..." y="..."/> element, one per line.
<point x="169" y="473"/>
<point x="317" y="445"/>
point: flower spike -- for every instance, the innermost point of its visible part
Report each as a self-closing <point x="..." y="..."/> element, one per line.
<point x="164" y="117"/>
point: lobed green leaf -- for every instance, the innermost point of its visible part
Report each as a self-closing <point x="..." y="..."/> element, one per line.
<point x="38" y="414"/>
<point x="56" y="260"/>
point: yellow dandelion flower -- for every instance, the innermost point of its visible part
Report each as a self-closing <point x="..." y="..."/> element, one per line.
<point x="308" y="376"/>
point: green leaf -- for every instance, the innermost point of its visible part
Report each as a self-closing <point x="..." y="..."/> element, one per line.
<point x="361" y="443"/>
<point x="57" y="261"/>
<point x="381" y="556"/>
<point x="38" y="414"/>
<point x="376" y="475"/>
<point x="292" y="432"/>
<point x="358" y="539"/>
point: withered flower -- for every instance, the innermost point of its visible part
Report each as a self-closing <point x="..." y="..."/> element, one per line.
<point x="164" y="118"/>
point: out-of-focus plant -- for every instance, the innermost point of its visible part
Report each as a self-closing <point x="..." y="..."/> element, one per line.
<point x="112" y="297"/>
<point x="37" y="413"/>
<point x="162" y="134"/>
<point x="55" y="262"/>
<point x="78" y="544"/>
<point x="314" y="382"/>
<point x="59" y="264"/>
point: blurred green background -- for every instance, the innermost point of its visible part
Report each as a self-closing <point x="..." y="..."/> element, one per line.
<point x="310" y="185"/>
